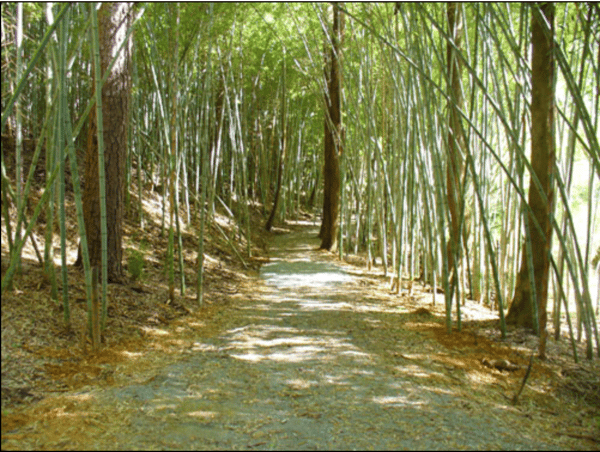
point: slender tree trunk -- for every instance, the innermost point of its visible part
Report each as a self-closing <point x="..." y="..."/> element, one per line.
<point x="542" y="160"/>
<point x="271" y="219"/>
<point x="332" y="141"/>
<point x="456" y="142"/>
<point x="114" y="20"/>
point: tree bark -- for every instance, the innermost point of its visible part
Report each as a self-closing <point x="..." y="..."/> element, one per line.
<point x="456" y="141"/>
<point x="282" y="153"/>
<point x="543" y="157"/>
<point x="332" y="140"/>
<point x="114" y="20"/>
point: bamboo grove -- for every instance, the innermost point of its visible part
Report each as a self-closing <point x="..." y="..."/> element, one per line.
<point x="227" y="106"/>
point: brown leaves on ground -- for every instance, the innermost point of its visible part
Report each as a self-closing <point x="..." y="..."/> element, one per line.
<point x="41" y="357"/>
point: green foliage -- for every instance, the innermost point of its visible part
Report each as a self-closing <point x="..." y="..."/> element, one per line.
<point x="230" y="61"/>
<point x="135" y="263"/>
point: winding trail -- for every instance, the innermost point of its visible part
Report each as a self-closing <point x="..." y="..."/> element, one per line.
<point x="306" y="362"/>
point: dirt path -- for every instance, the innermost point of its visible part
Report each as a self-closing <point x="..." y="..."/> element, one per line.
<point x="307" y="358"/>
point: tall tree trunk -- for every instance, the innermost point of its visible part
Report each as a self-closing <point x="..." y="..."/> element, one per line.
<point x="114" y="19"/>
<point x="542" y="161"/>
<point x="332" y="140"/>
<point x="282" y="153"/>
<point x="456" y="141"/>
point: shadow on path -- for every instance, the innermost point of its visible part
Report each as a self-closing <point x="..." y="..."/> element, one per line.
<point x="304" y="362"/>
<point x="298" y="368"/>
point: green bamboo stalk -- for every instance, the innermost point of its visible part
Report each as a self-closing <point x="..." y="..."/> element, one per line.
<point x="18" y="123"/>
<point x="23" y="80"/>
<point x="172" y="181"/>
<point x="71" y="154"/>
<point x="5" y="203"/>
<point x="582" y="296"/>
<point x="342" y="163"/>
<point x="61" y="137"/>
<point x="18" y="244"/>
<point x="204" y="145"/>
<point x="136" y="145"/>
<point x="563" y="295"/>
<point x="51" y="157"/>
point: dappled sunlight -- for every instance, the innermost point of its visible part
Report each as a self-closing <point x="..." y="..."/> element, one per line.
<point x="161" y="407"/>
<point x="286" y="274"/>
<point x="155" y="331"/>
<point x="354" y="353"/>
<point x="204" y="347"/>
<point x="324" y="305"/>
<point x="307" y="342"/>
<point x="413" y="371"/>
<point x="257" y="344"/>
<point x="480" y="378"/>
<point x="62" y="412"/>
<point x="435" y="388"/>
<point x="299" y="286"/>
<point x="310" y="342"/>
<point x="399" y="401"/>
<point x="273" y="281"/>
<point x="338" y="380"/>
<point x="293" y="355"/>
<point x="80" y="398"/>
<point x="420" y="325"/>
<point x="203" y="414"/>
<point x="131" y="355"/>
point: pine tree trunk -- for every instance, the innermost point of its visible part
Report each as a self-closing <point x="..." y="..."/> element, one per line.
<point x="282" y="153"/>
<point x="456" y="142"/>
<point x="114" y="20"/>
<point x="332" y="141"/>
<point x="542" y="160"/>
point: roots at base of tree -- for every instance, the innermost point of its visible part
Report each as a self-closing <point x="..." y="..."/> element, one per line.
<point x="520" y="312"/>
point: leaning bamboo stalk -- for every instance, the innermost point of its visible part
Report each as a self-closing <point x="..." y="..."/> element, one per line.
<point x="71" y="132"/>
<point x="38" y="53"/>
<point x="18" y="245"/>
<point x="582" y="296"/>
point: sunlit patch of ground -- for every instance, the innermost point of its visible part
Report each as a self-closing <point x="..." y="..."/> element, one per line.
<point x="248" y="322"/>
<point x="41" y="356"/>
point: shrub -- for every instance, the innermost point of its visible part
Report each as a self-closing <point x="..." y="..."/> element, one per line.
<point x="135" y="264"/>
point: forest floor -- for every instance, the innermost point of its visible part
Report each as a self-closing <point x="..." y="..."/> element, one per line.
<point x="307" y="353"/>
<point x="291" y="349"/>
